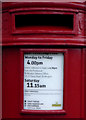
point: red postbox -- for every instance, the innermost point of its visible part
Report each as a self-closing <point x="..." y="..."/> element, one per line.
<point x="43" y="60"/>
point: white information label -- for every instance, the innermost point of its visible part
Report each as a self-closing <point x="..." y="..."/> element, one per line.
<point x="43" y="81"/>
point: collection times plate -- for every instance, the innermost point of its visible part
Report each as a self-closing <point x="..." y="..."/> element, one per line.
<point x="43" y="81"/>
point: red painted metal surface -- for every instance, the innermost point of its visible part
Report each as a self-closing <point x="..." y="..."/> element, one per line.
<point x="11" y="85"/>
<point x="74" y="5"/>
<point x="17" y="41"/>
<point x="42" y="35"/>
<point x="0" y="83"/>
